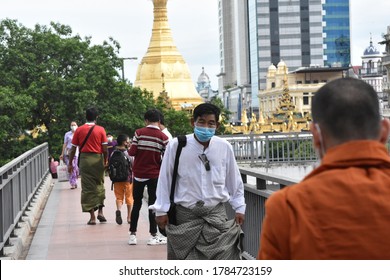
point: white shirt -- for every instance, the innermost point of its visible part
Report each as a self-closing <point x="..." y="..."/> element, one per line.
<point x="194" y="183"/>
<point x="167" y="133"/>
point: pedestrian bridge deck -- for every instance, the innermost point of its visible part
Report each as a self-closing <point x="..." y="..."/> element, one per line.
<point x="63" y="233"/>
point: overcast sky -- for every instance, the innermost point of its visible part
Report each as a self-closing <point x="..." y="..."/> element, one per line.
<point x="194" y="25"/>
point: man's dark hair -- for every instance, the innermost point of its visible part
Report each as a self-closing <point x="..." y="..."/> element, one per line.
<point x="347" y="109"/>
<point x="121" y="139"/>
<point x="91" y="114"/>
<point x="152" y="115"/>
<point x="206" y="109"/>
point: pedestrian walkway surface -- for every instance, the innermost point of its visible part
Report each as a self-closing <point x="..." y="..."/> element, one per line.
<point x="63" y="233"/>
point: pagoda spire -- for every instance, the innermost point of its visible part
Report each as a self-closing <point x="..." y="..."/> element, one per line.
<point x="163" y="58"/>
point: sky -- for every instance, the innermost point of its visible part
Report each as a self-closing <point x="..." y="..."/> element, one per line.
<point x="194" y="25"/>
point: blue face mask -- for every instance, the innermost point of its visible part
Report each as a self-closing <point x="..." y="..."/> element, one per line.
<point x="204" y="134"/>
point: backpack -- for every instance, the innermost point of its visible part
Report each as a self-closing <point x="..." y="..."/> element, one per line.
<point x="119" y="167"/>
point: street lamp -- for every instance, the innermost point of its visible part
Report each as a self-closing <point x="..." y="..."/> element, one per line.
<point x="123" y="65"/>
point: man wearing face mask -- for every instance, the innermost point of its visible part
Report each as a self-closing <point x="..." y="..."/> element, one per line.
<point x="66" y="152"/>
<point x="341" y="209"/>
<point x="207" y="177"/>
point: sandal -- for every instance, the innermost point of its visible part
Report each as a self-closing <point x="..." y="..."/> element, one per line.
<point x="101" y="218"/>
<point x="91" y="222"/>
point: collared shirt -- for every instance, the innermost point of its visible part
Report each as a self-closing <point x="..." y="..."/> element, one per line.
<point x="95" y="141"/>
<point x="194" y="183"/>
<point x="167" y="133"/>
<point x="147" y="148"/>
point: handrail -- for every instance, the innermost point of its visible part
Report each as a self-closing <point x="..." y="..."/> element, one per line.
<point x="19" y="180"/>
<point x="258" y="186"/>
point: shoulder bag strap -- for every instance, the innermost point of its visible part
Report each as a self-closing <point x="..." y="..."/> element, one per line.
<point x="86" y="138"/>
<point x="182" y="142"/>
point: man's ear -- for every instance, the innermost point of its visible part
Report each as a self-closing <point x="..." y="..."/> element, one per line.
<point x="316" y="135"/>
<point x="385" y="131"/>
<point x="192" y="122"/>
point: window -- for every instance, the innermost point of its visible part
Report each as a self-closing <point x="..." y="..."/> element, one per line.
<point x="305" y="98"/>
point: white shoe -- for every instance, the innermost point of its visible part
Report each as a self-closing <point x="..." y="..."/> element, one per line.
<point x="157" y="240"/>
<point x="132" y="240"/>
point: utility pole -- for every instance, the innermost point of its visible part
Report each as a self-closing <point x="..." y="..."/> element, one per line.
<point x="123" y="65"/>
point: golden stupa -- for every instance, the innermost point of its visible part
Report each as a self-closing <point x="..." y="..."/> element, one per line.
<point x="163" y="68"/>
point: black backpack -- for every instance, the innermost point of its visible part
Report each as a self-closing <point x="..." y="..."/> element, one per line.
<point x="118" y="167"/>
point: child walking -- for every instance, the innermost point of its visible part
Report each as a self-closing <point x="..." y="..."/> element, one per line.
<point x="124" y="190"/>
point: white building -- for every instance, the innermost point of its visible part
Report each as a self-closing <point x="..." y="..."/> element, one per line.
<point x="372" y="70"/>
<point x="204" y="86"/>
<point x="302" y="84"/>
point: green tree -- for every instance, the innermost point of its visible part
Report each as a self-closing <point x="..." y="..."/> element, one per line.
<point x="14" y="111"/>
<point x="63" y="74"/>
<point x="123" y="112"/>
<point x="225" y="114"/>
<point x="177" y="122"/>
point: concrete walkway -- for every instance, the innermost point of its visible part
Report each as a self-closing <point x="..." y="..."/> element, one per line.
<point x="63" y="233"/>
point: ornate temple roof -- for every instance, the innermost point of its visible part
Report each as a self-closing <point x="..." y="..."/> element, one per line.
<point x="203" y="77"/>
<point x="371" y="49"/>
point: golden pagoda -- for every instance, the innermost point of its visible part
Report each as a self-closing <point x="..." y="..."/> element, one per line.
<point x="162" y="59"/>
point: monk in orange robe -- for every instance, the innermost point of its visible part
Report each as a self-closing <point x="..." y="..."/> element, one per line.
<point x="341" y="210"/>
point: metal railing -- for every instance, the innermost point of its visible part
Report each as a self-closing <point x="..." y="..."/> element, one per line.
<point x="272" y="148"/>
<point x="19" y="180"/>
<point x="258" y="187"/>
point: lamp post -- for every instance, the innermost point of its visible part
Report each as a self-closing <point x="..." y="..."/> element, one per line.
<point x="123" y="65"/>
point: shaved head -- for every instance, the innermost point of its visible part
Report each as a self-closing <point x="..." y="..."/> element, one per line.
<point x="347" y="109"/>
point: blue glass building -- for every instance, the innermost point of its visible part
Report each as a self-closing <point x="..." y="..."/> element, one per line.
<point x="337" y="41"/>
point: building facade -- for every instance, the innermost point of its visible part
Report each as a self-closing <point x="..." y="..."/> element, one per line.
<point x="386" y="61"/>
<point x="372" y="71"/>
<point x="204" y="86"/>
<point x="302" y="84"/>
<point x="336" y="24"/>
<point x="302" y="33"/>
<point x="234" y="77"/>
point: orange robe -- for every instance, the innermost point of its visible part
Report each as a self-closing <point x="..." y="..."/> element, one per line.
<point x="341" y="210"/>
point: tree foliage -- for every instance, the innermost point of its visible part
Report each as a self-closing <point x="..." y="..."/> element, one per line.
<point x="49" y="77"/>
<point x="178" y="122"/>
<point x="225" y="114"/>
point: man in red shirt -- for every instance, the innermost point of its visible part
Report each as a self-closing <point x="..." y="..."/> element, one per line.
<point x="147" y="148"/>
<point x="93" y="160"/>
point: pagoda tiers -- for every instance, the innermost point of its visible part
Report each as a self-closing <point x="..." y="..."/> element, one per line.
<point x="285" y="118"/>
<point x="163" y="69"/>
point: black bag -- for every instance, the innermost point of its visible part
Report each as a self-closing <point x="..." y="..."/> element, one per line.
<point x="172" y="208"/>
<point x="118" y="167"/>
<point x="172" y="213"/>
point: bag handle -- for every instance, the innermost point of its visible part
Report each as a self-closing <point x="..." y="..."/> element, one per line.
<point x="86" y="138"/>
<point x="182" y="143"/>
